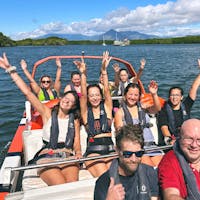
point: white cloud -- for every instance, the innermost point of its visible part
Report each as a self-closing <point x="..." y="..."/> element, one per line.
<point x="171" y="19"/>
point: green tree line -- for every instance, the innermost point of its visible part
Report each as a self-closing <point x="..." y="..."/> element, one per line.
<point x="7" y="42"/>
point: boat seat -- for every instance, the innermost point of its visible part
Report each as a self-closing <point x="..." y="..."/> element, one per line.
<point x="31" y="180"/>
<point x="32" y="143"/>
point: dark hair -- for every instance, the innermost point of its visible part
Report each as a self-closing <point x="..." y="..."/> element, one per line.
<point x="44" y="76"/>
<point x="132" y="85"/>
<point x="175" y="87"/>
<point x="76" y="108"/>
<point x="130" y="132"/>
<point x="123" y="69"/>
<point x="75" y="73"/>
<point x="97" y="86"/>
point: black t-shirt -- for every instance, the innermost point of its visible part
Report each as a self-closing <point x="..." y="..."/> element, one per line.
<point x="178" y="115"/>
<point x="103" y="183"/>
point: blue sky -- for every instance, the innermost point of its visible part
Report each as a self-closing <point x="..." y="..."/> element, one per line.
<point x="32" y="18"/>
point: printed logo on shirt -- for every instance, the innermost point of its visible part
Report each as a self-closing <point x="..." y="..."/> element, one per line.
<point x="143" y="189"/>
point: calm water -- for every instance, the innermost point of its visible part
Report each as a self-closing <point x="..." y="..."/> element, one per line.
<point x="167" y="64"/>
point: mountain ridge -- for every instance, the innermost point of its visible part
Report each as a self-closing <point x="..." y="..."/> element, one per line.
<point x="109" y="35"/>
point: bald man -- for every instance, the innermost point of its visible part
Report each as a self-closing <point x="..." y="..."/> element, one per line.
<point x="179" y="170"/>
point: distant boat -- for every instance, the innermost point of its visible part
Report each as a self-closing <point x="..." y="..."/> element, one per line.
<point x="124" y="42"/>
<point x="104" y="43"/>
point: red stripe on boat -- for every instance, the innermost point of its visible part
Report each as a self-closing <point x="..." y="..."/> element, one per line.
<point x="16" y="145"/>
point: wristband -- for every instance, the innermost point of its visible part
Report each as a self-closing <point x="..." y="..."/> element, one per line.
<point x="11" y="69"/>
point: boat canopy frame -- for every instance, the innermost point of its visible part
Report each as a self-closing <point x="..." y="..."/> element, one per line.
<point x="127" y="64"/>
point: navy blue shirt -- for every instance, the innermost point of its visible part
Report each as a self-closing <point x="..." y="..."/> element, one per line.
<point x="103" y="182"/>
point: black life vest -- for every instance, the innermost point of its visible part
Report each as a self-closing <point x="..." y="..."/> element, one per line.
<point x="140" y="189"/>
<point x="72" y="87"/>
<point x="121" y="88"/>
<point x="189" y="177"/>
<point x="171" y="119"/>
<point x="141" y="115"/>
<point x="69" y="141"/>
<point x="46" y="95"/>
<point x="104" y="126"/>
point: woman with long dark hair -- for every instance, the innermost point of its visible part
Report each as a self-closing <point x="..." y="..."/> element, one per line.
<point x="96" y="115"/>
<point x="61" y="131"/>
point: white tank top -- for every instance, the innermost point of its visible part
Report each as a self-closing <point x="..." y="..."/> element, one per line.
<point x="63" y="129"/>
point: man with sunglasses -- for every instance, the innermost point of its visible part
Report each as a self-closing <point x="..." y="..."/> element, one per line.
<point x="179" y="169"/>
<point x="127" y="177"/>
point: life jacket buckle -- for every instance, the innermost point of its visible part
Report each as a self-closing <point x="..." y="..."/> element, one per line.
<point x="91" y="139"/>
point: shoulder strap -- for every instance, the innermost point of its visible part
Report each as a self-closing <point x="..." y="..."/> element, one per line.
<point x="103" y="118"/>
<point x="55" y="94"/>
<point x="185" y="114"/>
<point x="71" y="132"/>
<point x="113" y="171"/>
<point x="103" y="121"/>
<point x="144" y="189"/>
<point x="72" y="86"/>
<point x="192" y="189"/>
<point x="54" y="131"/>
<point x="127" y="115"/>
<point x="121" y="88"/>
<point x="141" y="115"/>
<point x="171" y="119"/>
<point x="46" y="95"/>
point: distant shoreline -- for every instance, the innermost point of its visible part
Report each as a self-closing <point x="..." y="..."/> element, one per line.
<point x="56" y="41"/>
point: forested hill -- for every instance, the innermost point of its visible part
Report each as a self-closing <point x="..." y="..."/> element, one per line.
<point x="7" y="42"/>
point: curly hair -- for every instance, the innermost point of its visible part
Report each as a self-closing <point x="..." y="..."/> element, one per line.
<point x="130" y="132"/>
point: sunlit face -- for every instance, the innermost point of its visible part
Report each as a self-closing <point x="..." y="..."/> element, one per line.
<point x="94" y="96"/>
<point x="175" y="97"/>
<point x="67" y="102"/>
<point x="76" y="80"/>
<point x="123" y="76"/>
<point x="129" y="165"/>
<point x="46" y="82"/>
<point x="132" y="96"/>
<point x="190" y="141"/>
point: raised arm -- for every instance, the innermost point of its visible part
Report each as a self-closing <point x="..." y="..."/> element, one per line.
<point x="116" y="69"/>
<point x="118" y="120"/>
<point x="77" y="142"/>
<point x="195" y="85"/>
<point x="57" y="84"/>
<point x="83" y="99"/>
<point x="105" y="62"/>
<point x="139" y="74"/>
<point x="34" y="86"/>
<point x="4" y="63"/>
<point x="153" y="88"/>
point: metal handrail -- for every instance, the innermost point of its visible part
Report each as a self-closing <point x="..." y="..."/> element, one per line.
<point x="81" y="160"/>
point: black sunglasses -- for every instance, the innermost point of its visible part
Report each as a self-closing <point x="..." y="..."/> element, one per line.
<point x="46" y="81"/>
<point x="128" y="154"/>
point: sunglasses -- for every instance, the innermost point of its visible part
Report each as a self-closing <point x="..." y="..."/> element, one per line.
<point x="46" y="81"/>
<point x="128" y="154"/>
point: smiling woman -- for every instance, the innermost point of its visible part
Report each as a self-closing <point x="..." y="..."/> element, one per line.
<point x="61" y="130"/>
<point x="47" y="90"/>
<point x="97" y="118"/>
